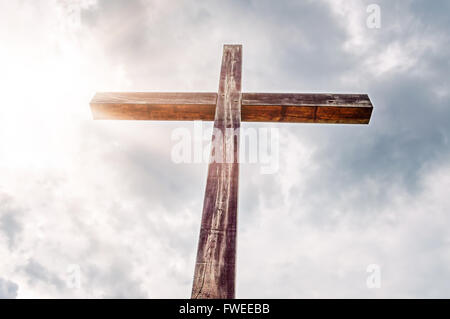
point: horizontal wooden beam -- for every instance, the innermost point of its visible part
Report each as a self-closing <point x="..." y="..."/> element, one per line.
<point x="306" y="108"/>
<point x="154" y="106"/>
<point x="256" y="107"/>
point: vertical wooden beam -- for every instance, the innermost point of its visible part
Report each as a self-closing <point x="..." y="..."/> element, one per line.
<point x="215" y="269"/>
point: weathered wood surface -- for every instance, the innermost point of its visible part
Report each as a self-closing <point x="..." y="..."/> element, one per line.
<point x="153" y="106"/>
<point x="214" y="275"/>
<point x="256" y="107"/>
<point x="306" y="108"/>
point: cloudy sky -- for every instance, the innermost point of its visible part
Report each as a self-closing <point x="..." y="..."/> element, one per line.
<point x="102" y="201"/>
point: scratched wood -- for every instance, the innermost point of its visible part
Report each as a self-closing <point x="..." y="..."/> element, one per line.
<point x="256" y="107"/>
<point x="153" y="106"/>
<point x="306" y="108"/>
<point x="214" y="275"/>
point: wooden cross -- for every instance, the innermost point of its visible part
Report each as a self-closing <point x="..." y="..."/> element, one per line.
<point x="215" y="267"/>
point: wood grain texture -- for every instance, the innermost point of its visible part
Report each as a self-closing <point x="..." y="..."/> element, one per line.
<point x="306" y="108"/>
<point x="215" y="267"/>
<point x="154" y="106"/>
<point x="256" y="107"/>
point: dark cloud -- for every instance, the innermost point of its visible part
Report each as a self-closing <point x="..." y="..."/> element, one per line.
<point x="114" y="281"/>
<point x="433" y="14"/>
<point x="410" y="126"/>
<point x="37" y="273"/>
<point x="9" y="223"/>
<point x="8" y="289"/>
